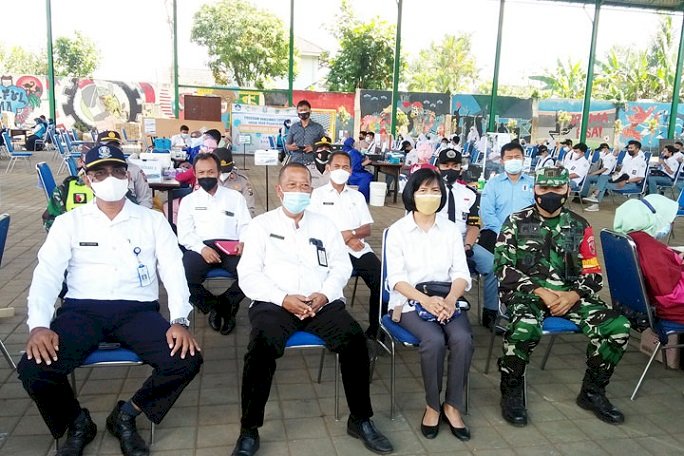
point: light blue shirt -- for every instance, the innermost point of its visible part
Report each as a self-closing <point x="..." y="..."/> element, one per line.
<point x="501" y="197"/>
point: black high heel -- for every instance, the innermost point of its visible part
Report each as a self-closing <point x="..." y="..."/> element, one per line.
<point x="429" y="432"/>
<point x="462" y="434"/>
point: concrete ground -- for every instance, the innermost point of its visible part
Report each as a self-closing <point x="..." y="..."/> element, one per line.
<point x="299" y="416"/>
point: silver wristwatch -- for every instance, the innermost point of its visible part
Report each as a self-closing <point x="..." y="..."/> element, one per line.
<point x="181" y="321"/>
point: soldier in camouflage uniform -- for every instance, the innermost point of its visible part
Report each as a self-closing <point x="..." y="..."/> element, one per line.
<point x="547" y="265"/>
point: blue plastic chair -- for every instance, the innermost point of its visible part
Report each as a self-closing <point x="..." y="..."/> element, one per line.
<point x="46" y="178"/>
<point x="71" y="165"/>
<point x="628" y="290"/>
<point x="4" y="230"/>
<point x="397" y="335"/>
<point x="15" y="154"/>
<point x="621" y="156"/>
<point x="304" y="340"/>
<point x="638" y="192"/>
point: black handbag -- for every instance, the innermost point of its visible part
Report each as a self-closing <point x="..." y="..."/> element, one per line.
<point x="442" y="290"/>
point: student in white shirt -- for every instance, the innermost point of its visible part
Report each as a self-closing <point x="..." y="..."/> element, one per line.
<point x="347" y="208"/>
<point x="544" y="159"/>
<point x="294" y="267"/>
<point x="111" y="250"/>
<point x="601" y="175"/>
<point x="629" y="177"/>
<point x="679" y="151"/>
<point x="665" y="174"/>
<point x="182" y="139"/>
<point x="209" y="214"/>
<point x="422" y="247"/>
<point x="577" y="165"/>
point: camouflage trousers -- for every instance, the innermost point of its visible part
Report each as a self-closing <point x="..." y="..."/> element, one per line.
<point x="607" y="329"/>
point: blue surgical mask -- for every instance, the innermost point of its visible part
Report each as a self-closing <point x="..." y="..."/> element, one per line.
<point x="296" y="202"/>
<point x="513" y="166"/>
<point x="664" y="232"/>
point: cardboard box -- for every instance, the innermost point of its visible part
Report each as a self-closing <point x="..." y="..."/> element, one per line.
<point x="648" y="343"/>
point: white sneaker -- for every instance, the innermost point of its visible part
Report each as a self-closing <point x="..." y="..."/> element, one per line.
<point x="591" y="199"/>
<point x="592" y="208"/>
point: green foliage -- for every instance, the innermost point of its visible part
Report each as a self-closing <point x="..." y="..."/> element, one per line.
<point x="567" y="80"/>
<point x="447" y="66"/>
<point x="76" y="57"/>
<point x="366" y="56"/>
<point x="18" y="60"/>
<point x="247" y="46"/>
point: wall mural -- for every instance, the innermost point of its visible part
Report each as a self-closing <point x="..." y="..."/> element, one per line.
<point x="514" y="115"/>
<point x="561" y="119"/>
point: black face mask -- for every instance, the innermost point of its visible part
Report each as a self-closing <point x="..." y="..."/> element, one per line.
<point x="451" y="175"/>
<point x="207" y="183"/>
<point x="304" y="115"/>
<point x="550" y="202"/>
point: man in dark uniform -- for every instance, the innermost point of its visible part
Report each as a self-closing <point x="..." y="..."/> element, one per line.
<point x="547" y="265"/>
<point x="302" y="136"/>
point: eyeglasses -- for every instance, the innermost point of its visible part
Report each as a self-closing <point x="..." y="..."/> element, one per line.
<point x="101" y="174"/>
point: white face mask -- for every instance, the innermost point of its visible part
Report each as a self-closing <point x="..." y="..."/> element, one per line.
<point x="339" y="176"/>
<point x="111" y="189"/>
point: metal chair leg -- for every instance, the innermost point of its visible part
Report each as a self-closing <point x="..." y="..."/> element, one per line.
<point x="151" y="433"/>
<point x="548" y="351"/>
<point x="337" y="386"/>
<point x="392" y="377"/>
<point x="656" y="350"/>
<point x="320" y="365"/>
<point x="7" y="355"/>
<point x="356" y="284"/>
<point x="491" y="343"/>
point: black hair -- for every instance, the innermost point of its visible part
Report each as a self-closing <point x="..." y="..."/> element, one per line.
<point x="372" y="133"/>
<point x="303" y="103"/>
<point x="339" y="153"/>
<point x="511" y="146"/>
<point x="456" y="139"/>
<point x="581" y="146"/>
<point x="414" y="182"/>
<point x="292" y="165"/>
<point x="679" y="142"/>
<point x="214" y="133"/>
<point x="184" y="127"/>
<point x="634" y="142"/>
<point x="207" y="156"/>
<point x="671" y="149"/>
<point x="542" y="148"/>
<point x="568" y="142"/>
<point x="603" y="146"/>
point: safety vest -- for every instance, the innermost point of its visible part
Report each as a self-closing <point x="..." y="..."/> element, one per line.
<point x="77" y="194"/>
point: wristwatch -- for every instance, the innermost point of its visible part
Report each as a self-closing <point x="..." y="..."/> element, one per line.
<point x="354" y="233"/>
<point x="184" y="322"/>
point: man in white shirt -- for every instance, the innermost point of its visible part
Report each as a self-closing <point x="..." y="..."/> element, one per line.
<point x="182" y="139"/>
<point x="295" y="267"/>
<point x="630" y="176"/>
<point x="577" y="165"/>
<point x="604" y="168"/>
<point x="209" y="214"/>
<point x="544" y="159"/>
<point x="463" y="208"/>
<point x="667" y="170"/>
<point x="111" y="250"/>
<point x="347" y="208"/>
<point x="679" y="151"/>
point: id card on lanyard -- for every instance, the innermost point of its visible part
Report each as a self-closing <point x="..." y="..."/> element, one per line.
<point x="143" y="275"/>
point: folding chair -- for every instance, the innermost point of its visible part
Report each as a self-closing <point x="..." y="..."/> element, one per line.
<point x="578" y="193"/>
<point x="680" y="213"/>
<point x="672" y="188"/>
<point x="8" y="311"/>
<point x="46" y="178"/>
<point x="15" y="154"/>
<point x="640" y="192"/>
<point x="396" y="334"/>
<point x="628" y="291"/>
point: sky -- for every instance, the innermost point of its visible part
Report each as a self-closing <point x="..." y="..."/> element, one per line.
<point x="135" y="41"/>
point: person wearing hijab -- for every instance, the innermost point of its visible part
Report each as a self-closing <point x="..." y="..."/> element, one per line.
<point x="648" y="223"/>
<point x="359" y="177"/>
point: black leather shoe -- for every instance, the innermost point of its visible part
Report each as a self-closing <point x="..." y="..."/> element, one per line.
<point x="81" y="432"/>
<point x="462" y="434"/>
<point x="228" y="325"/>
<point x="246" y="445"/>
<point x="429" y="432"/>
<point x="122" y="426"/>
<point x="365" y="431"/>
<point x="215" y="320"/>
<point x="597" y="402"/>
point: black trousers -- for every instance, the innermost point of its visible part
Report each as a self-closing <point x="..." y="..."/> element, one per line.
<point x="196" y="270"/>
<point x="368" y="268"/>
<point x="81" y="325"/>
<point x="272" y="325"/>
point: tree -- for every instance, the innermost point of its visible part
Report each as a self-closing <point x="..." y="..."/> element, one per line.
<point x="20" y="61"/>
<point x="566" y="81"/>
<point x="447" y="66"/>
<point x="247" y="46"/>
<point x="77" y="57"/>
<point x="365" y="59"/>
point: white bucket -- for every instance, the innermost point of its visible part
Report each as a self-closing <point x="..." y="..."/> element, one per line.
<point x="378" y="190"/>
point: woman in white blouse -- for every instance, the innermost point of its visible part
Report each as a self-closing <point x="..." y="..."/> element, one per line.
<point x="422" y="247"/>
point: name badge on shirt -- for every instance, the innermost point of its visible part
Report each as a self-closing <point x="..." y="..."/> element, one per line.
<point x="200" y="208"/>
<point x="144" y="276"/>
<point x="634" y="171"/>
<point x="328" y="203"/>
<point x="88" y="244"/>
<point x="525" y="187"/>
<point x="320" y="251"/>
<point x="465" y="215"/>
<point x="228" y="213"/>
<point x="277" y="236"/>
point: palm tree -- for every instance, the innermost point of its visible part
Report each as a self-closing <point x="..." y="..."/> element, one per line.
<point x="566" y="81"/>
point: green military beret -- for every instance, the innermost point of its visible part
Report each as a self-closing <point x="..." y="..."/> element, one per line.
<point x="552" y="177"/>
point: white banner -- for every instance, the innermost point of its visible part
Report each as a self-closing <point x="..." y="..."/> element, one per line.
<point x="260" y="123"/>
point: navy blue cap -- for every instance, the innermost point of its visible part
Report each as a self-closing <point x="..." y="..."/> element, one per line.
<point x="101" y="155"/>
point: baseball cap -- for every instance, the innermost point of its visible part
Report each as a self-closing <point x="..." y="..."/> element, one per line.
<point x="449" y="156"/>
<point x="552" y="177"/>
<point x="324" y="141"/>
<point x="103" y="155"/>
<point x="108" y="136"/>
<point x="226" y="158"/>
